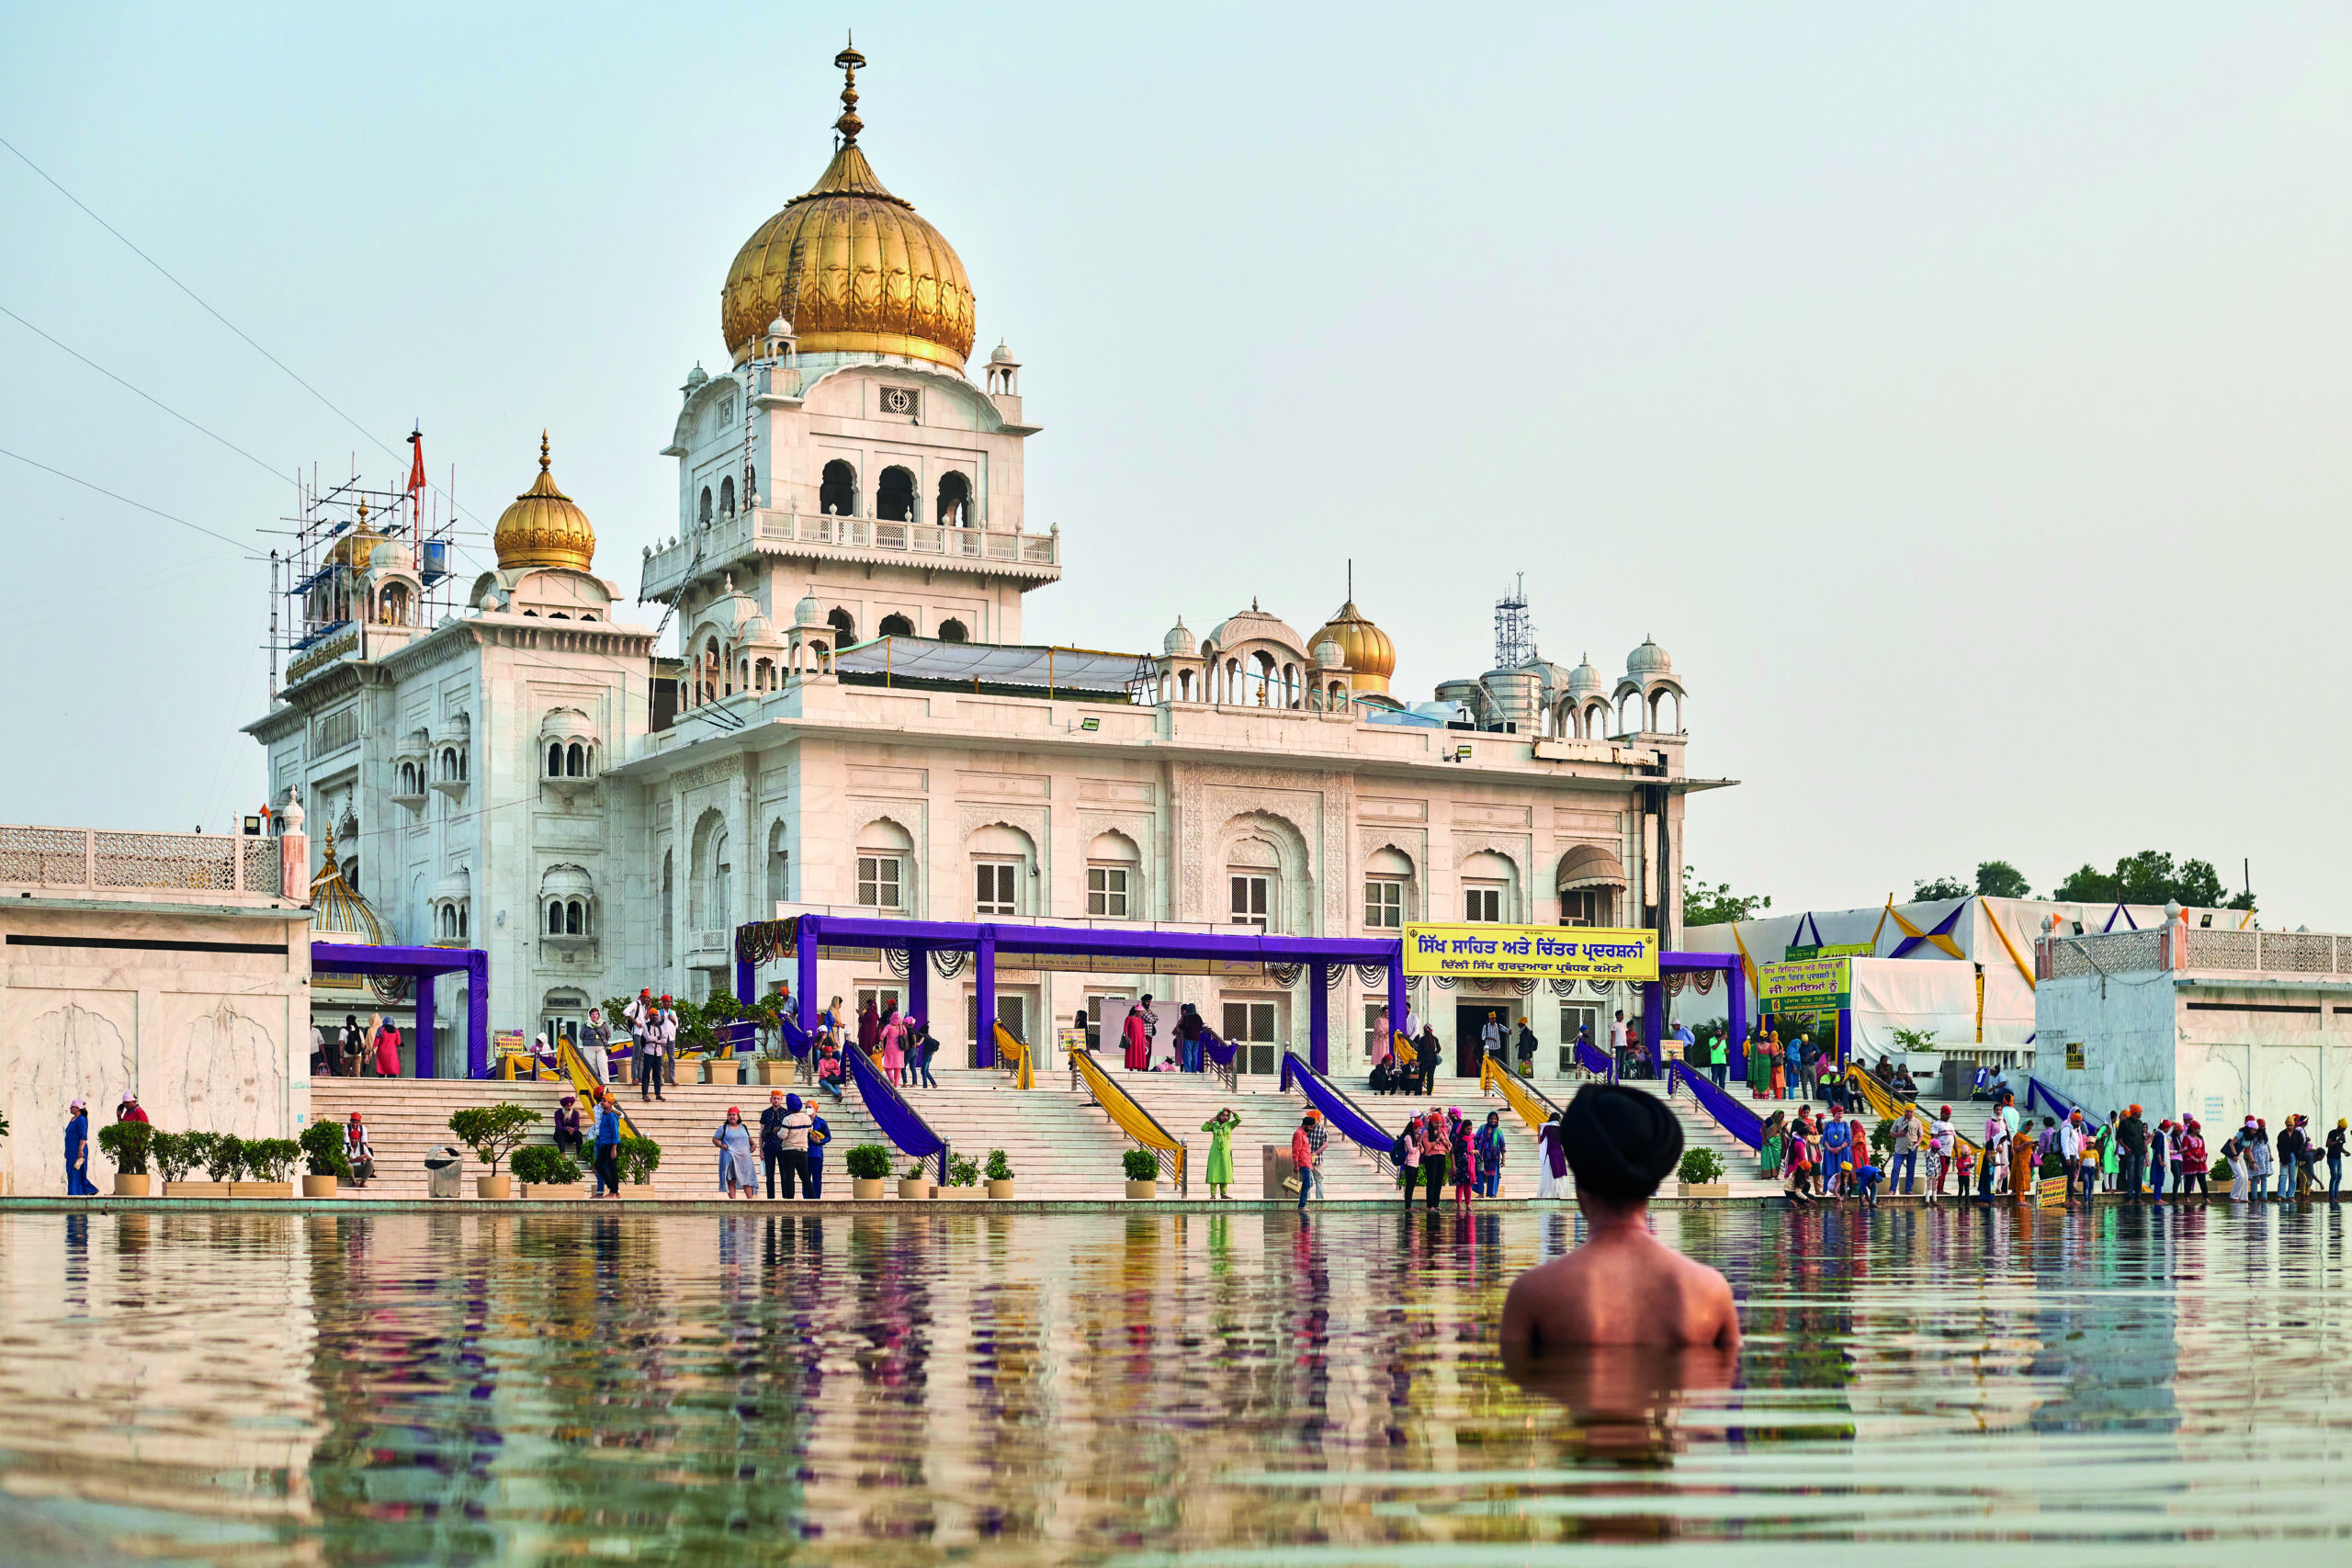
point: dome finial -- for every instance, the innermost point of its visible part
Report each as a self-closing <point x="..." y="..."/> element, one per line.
<point x="849" y="60"/>
<point x="543" y="451"/>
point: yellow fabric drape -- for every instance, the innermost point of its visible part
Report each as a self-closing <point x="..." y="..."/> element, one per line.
<point x="583" y="1078"/>
<point x="1886" y="1108"/>
<point x="1009" y="1049"/>
<point x="1129" y="1117"/>
<point x="2023" y="968"/>
<point x="1746" y="963"/>
<point x="1516" y="1094"/>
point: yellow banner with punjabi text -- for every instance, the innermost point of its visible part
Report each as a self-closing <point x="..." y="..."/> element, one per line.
<point x="1530" y="953"/>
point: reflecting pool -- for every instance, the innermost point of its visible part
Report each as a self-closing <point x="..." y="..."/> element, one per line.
<point x="1952" y="1386"/>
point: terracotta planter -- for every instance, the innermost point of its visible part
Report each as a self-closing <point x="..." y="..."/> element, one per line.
<point x="139" y="1186"/>
<point x="261" y="1190"/>
<point x="1000" y="1188"/>
<point x="532" y="1189"/>
<point x="777" y="1070"/>
<point x="195" y="1190"/>
<point x="1141" y="1190"/>
<point x="318" y="1186"/>
<point x="910" y="1191"/>
<point x="865" y="1190"/>
<point x="493" y="1187"/>
<point x="1703" y="1189"/>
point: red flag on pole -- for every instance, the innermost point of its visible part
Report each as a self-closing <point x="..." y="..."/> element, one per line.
<point x="416" y="485"/>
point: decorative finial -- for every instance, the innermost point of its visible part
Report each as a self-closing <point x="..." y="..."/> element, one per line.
<point x="849" y="60"/>
<point x="543" y="451"/>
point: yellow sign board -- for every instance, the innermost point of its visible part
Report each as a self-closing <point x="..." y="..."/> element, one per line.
<point x="1530" y="953"/>
<point x="2075" y="1055"/>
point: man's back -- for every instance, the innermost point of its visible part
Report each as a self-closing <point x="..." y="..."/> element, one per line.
<point x="1624" y="1287"/>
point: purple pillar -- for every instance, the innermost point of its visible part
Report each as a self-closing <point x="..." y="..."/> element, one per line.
<point x="477" y="1014"/>
<point x="804" y="971"/>
<point x="426" y="1059"/>
<point x="1845" y="1036"/>
<point x="918" y="981"/>
<point x="1318" y="1016"/>
<point x="745" y="1037"/>
<point x="1396" y="991"/>
<point x="1654" y="1018"/>
<point x="984" y="1010"/>
<point x="1735" y="1009"/>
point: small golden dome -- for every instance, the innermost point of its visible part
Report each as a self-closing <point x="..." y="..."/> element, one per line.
<point x="543" y="528"/>
<point x="851" y="266"/>
<point x="1365" y="649"/>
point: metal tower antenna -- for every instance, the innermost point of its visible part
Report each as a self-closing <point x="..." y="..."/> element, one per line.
<point x="1514" y="638"/>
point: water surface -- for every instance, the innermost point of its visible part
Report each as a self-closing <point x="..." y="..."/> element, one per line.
<point x="1958" y="1386"/>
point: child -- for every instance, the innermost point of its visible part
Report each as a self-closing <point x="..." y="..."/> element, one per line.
<point x="1622" y="1286"/>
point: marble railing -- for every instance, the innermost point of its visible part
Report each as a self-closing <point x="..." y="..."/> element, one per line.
<point x="97" y="860"/>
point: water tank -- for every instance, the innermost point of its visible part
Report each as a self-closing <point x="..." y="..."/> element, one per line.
<point x="1514" y="698"/>
<point x="436" y="560"/>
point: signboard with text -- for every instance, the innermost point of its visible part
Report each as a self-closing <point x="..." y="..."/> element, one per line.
<point x="1805" y="985"/>
<point x="1530" y="953"/>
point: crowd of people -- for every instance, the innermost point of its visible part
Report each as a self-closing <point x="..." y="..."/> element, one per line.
<point x="353" y="1052"/>
<point x="1439" y="1142"/>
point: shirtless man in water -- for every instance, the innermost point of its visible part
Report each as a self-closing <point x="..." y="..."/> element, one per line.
<point x="1622" y="1286"/>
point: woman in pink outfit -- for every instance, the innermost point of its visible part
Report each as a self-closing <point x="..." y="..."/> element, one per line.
<point x="388" y="1051"/>
<point x="894" y="1049"/>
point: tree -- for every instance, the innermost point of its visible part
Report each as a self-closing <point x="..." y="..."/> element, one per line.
<point x="2151" y="877"/>
<point x="1705" y="906"/>
<point x="492" y="1131"/>
<point x="1939" y="887"/>
<point x="1999" y="879"/>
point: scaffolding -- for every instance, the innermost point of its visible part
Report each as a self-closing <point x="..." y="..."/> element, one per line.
<point x="336" y="534"/>
<point x="1514" y="635"/>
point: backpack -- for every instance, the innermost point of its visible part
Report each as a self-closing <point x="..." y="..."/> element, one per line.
<point x="1396" y="1152"/>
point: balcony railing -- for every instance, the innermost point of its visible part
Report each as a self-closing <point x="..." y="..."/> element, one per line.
<point x="2199" y="949"/>
<point x="95" y="861"/>
<point x="731" y="539"/>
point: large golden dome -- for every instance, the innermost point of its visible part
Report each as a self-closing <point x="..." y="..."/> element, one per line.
<point x="1364" y="648"/>
<point x="851" y="266"/>
<point x="543" y="528"/>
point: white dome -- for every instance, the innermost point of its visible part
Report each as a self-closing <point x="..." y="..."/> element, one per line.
<point x="809" y="613"/>
<point x="1648" y="660"/>
<point x="780" y="327"/>
<point x="1329" y="655"/>
<point x="1584" y="678"/>
<point x="1179" y="642"/>
<point x="696" y="376"/>
<point x="1002" y="355"/>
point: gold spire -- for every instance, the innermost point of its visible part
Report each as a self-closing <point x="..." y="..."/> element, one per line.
<point x="544" y="527"/>
<point x="853" y="267"/>
<point x="849" y="60"/>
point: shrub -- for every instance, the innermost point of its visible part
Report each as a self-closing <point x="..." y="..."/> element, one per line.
<point x="2052" y="1165"/>
<point x="963" y="1170"/>
<point x="222" y="1155"/>
<point x="1141" y="1165"/>
<point x="1700" y="1166"/>
<point x="493" y="1131"/>
<point x="637" y="1158"/>
<point x="917" y="1170"/>
<point x="321" y="1145"/>
<point x="125" y="1144"/>
<point x="173" y="1154"/>
<point x="999" y="1167"/>
<point x="1882" y="1140"/>
<point x="543" y="1164"/>
<point x="270" y="1159"/>
<point x="867" y="1162"/>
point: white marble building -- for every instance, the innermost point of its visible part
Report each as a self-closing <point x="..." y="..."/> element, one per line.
<point x="852" y="719"/>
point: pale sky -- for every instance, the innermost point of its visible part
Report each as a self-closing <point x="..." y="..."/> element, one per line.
<point x="1959" y="399"/>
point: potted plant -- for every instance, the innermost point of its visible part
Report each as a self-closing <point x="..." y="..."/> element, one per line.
<point x="638" y="1160"/>
<point x="1701" y="1174"/>
<point x="545" y="1171"/>
<point x="868" y="1166"/>
<point x="219" y="1157"/>
<point x="1143" y="1173"/>
<point x="125" y="1144"/>
<point x="914" y="1182"/>
<point x="492" y="1131"/>
<point x="999" y="1171"/>
<point x="322" y="1148"/>
<point x="175" y="1154"/>
<point x="963" y="1170"/>
<point x="271" y="1163"/>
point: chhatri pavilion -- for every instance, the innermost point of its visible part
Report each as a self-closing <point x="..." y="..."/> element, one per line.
<point x="851" y="720"/>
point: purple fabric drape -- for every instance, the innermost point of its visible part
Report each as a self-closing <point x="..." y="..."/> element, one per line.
<point x="908" y="1131"/>
<point x="1218" y="1051"/>
<point x="1337" y="1108"/>
<point x="1734" y="1118"/>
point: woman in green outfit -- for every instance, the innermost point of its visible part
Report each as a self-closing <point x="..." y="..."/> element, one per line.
<point x="1219" y="1128"/>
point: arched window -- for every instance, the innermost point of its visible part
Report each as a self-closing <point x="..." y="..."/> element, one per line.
<point x="555" y="759"/>
<point x="953" y="631"/>
<point x="575" y="917"/>
<point x="554" y="920"/>
<point x="750" y="487"/>
<point x="837" y="492"/>
<point x="704" y="517"/>
<point x="894" y="498"/>
<point x="727" y="496"/>
<point x="669" y="909"/>
<point x="575" y="761"/>
<point x="898" y="626"/>
<point x="955" y="501"/>
<point x="1183" y="685"/>
<point x="844" y="629"/>
<point x="779" y="866"/>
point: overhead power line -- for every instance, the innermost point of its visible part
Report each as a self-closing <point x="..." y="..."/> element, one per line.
<point x="142" y="505"/>
<point x="118" y="381"/>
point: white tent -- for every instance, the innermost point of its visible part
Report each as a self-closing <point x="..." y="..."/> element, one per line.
<point x="1924" y="961"/>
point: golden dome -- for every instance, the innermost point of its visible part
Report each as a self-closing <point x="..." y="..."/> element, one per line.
<point x="355" y="548"/>
<point x="851" y="265"/>
<point x="1366" y="651"/>
<point x="543" y="528"/>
